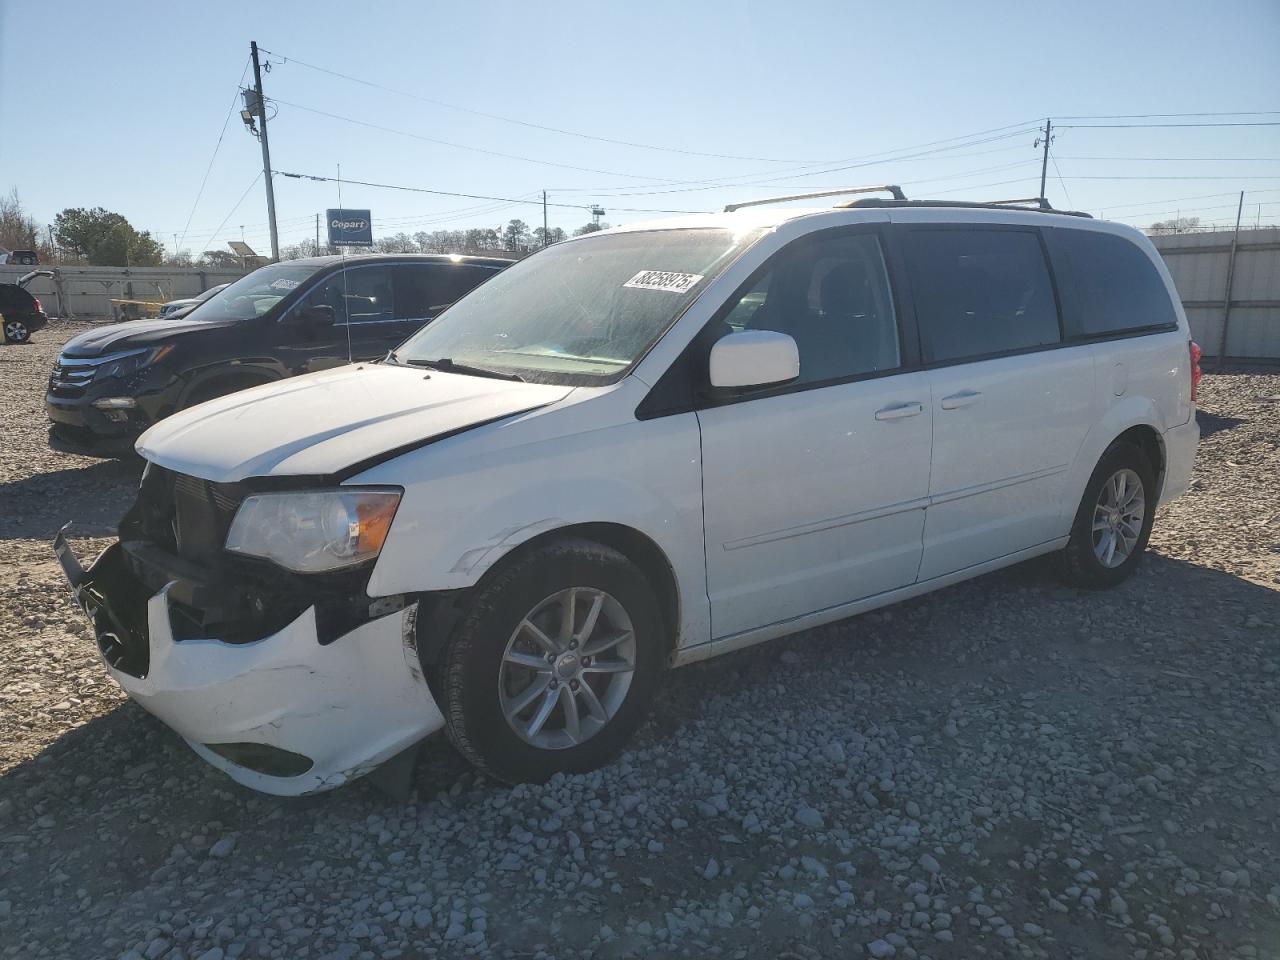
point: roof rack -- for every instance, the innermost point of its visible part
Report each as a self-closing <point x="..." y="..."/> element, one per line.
<point x="1022" y="203"/>
<point x="895" y="191"/>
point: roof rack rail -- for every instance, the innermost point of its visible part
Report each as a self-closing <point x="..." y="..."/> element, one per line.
<point x="895" y="191"/>
<point x="1030" y="204"/>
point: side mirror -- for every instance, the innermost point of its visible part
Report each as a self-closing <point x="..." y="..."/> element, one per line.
<point x="318" y="316"/>
<point x="754" y="358"/>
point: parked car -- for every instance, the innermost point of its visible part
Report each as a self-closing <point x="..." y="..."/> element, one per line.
<point x="113" y="382"/>
<point x="635" y="450"/>
<point x="21" y="313"/>
<point x="187" y="304"/>
<point x="21" y="257"/>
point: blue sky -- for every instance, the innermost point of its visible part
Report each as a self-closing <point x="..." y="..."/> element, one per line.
<point x="121" y="104"/>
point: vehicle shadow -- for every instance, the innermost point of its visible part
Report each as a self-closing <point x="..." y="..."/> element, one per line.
<point x="37" y="506"/>
<point x="1211" y="423"/>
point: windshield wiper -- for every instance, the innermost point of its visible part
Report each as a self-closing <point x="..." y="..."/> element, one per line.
<point x="447" y="365"/>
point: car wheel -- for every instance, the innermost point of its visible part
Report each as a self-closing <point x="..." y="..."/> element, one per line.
<point x="15" y="331"/>
<point x="553" y="662"/>
<point x="1114" y="520"/>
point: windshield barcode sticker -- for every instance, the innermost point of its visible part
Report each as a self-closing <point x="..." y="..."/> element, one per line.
<point x="664" y="280"/>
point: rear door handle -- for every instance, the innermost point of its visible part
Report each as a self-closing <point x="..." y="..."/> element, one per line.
<point x="964" y="398"/>
<point x="896" y="411"/>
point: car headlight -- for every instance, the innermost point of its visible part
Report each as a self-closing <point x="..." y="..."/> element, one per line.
<point x="314" y="531"/>
<point x="133" y="362"/>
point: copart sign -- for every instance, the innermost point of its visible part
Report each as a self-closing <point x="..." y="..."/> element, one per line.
<point x="350" y="228"/>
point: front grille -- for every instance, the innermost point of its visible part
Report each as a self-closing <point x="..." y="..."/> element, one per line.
<point x="70" y="378"/>
<point x="187" y="515"/>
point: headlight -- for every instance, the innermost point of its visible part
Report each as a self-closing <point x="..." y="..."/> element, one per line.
<point x="312" y="532"/>
<point x="133" y="362"/>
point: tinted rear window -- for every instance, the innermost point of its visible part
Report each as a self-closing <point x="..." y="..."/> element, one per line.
<point x="1117" y="287"/>
<point x="980" y="292"/>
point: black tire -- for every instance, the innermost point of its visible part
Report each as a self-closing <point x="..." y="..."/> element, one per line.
<point x="16" y="331"/>
<point x="470" y="665"/>
<point x="1080" y="565"/>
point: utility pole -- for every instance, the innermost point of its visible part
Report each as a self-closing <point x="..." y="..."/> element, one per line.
<point x="1044" y="162"/>
<point x="266" y="150"/>
<point x="545" y="239"/>
<point x="317" y="234"/>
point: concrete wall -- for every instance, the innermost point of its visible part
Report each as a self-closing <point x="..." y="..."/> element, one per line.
<point x="85" y="293"/>
<point x="1198" y="262"/>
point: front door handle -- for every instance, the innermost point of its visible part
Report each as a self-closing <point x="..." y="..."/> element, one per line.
<point x="896" y="411"/>
<point x="964" y="398"/>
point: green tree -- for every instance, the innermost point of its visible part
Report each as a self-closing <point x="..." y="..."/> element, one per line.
<point x="515" y="236"/>
<point x="219" y="260"/>
<point x="544" y="238"/>
<point x="591" y="227"/>
<point x="105" y="238"/>
<point x="477" y="240"/>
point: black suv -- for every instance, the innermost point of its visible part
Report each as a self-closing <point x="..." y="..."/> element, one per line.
<point x="299" y="316"/>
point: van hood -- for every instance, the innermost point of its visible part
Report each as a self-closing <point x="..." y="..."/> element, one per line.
<point x="325" y="423"/>
<point x="135" y="333"/>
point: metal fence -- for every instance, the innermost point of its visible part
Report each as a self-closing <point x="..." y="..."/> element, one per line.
<point x="1230" y="289"/>
<point x="87" y="293"/>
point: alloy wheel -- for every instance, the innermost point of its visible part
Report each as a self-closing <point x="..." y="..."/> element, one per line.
<point x="567" y="668"/>
<point x="1117" y="518"/>
<point x="16" y="331"/>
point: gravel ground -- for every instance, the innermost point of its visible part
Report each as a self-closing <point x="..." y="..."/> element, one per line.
<point x="1007" y="767"/>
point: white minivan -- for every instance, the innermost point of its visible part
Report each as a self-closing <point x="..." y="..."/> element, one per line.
<point x="632" y="451"/>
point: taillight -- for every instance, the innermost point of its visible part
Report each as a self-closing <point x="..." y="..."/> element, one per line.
<point x="39" y="309"/>
<point x="1196" y="372"/>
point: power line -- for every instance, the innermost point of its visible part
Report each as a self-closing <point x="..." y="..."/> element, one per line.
<point x="470" y="196"/>
<point x="1062" y="182"/>
<point x="530" y="124"/>
<point x="1225" y="176"/>
<point x="205" y="179"/>
<point x="230" y="213"/>
<point x="1165" y="116"/>
<point x="463" y="146"/>
<point x="770" y="181"/>
<point x="1186" y="159"/>
<point x="1146" y="126"/>
<point x="709" y="184"/>
<point x="1198" y="196"/>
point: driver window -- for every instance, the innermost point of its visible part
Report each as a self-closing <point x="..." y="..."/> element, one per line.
<point x="980" y="292"/>
<point x="362" y="296"/>
<point x="832" y="297"/>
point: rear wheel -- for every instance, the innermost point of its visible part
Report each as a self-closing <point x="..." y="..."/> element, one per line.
<point x="553" y="663"/>
<point x="16" y="331"/>
<point x="1113" y="522"/>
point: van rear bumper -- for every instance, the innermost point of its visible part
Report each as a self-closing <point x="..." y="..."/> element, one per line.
<point x="1180" y="445"/>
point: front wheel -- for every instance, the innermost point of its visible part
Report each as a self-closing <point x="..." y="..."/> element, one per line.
<point x="553" y="663"/>
<point x="1114" y="520"/>
<point x="15" y="331"/>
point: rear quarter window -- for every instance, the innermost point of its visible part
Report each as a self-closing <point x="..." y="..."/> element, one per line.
<point x="1111" y="287"/>
<point x="980" y="292"/>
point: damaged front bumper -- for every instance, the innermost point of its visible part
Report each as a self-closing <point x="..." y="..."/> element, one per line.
<point x="285" y="714"/>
